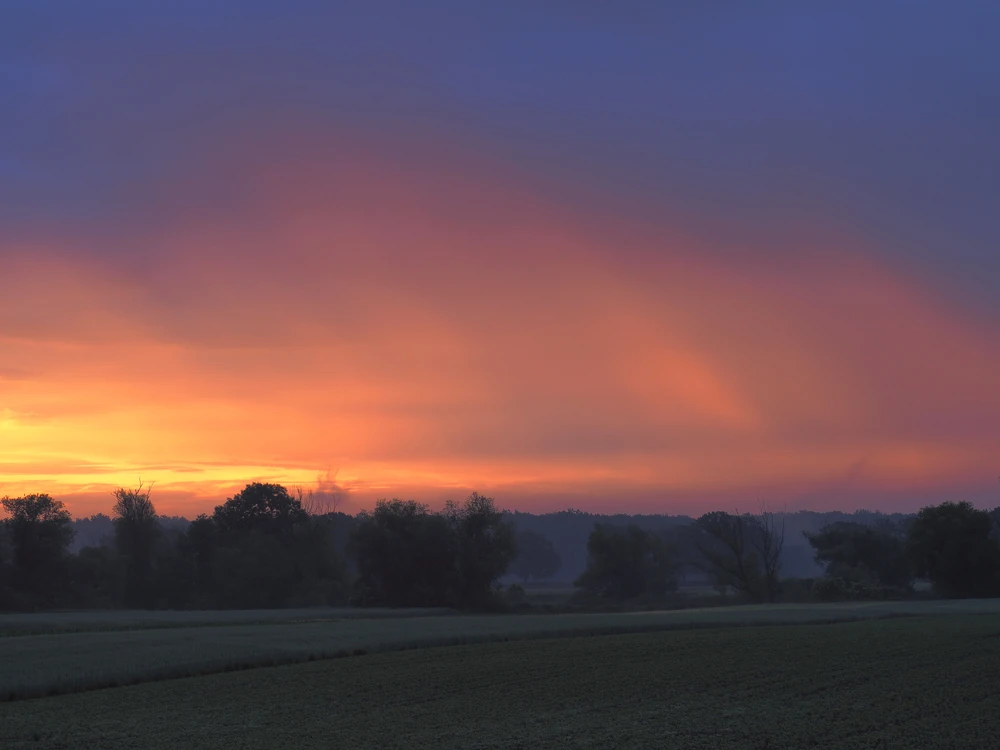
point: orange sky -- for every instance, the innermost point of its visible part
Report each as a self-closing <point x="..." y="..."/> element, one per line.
<point x="425" y="326"/>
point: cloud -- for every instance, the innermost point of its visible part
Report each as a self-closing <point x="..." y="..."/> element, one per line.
<point x="430" y="323"/>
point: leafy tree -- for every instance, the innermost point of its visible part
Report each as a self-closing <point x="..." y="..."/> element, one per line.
<point x="135" y="528"/>
<point x="262" y="549"/>
<point x="405" y="556"/>
<point x="484" y="542"/>
<point x="261" y="507"/>
<point x="952" y="544"/>
<point x="858" y="553"/>
<point x="39" y="530"/>
<point x="536" y="557"/>
<point x="627" y="563"/>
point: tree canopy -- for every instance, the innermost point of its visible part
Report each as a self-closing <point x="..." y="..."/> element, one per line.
<point x="954" y="545"/>
<point x="628" y="563"/>
<point x="408" y="556"/>
<point x="38" y="531"/>
<point x="261" y="507"/>
<point x="855" y="552"/>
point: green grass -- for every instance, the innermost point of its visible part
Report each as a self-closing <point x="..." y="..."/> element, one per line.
<point x="39" y="665"/>
<point x="85" y="621"/>
<point x="909" y="683"/>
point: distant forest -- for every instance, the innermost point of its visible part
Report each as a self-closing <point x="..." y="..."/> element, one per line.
<point x="265" y="547"/>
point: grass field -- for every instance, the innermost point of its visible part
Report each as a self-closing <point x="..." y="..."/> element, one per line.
<point x="76" y="622"/>
<point x="908" y="683"/>
<point x="48" y="664"/>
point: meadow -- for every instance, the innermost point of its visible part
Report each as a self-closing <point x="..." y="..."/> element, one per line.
<point x="910" y="682"/>
<point x="96" y="650"/>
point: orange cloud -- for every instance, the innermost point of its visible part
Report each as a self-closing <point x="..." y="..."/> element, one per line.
<point x="428" y="327"/>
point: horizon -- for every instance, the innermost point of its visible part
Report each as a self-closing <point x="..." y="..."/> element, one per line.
<point x="326" y="497"/>
<point x="623" y="259"/>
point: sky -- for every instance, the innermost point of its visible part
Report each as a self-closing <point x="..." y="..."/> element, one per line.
<point x="622" y="257"/>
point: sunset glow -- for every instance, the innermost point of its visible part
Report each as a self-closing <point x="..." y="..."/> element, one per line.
<point x="409" y="314"/>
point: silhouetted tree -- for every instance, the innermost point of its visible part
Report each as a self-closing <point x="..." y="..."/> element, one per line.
<point x="952" y="544"/>
<point x="261" y="507"/>
<point x="536" y="557"/>
<point x="39" y="531"/>
<point x="742" y="551"/>
<point x="857" y="553"/>
<point x="261" y="549"/>
<point x="484" y="542"/>
<point x="628" y="563"/>
<point x="136" y="528"/>
<point x="405" y="556"/>
<point x="767" y="535"/>
<point x="728" y="554"/>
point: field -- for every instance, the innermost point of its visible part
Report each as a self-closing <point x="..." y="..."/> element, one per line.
<point x="91" y="653"/>
<point x="913" y="683"/>
<point x="78" y="622"/>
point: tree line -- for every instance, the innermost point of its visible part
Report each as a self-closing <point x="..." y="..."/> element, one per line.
<point x="259" y="549"/>
<point x="262" y="548"/>
<point x="954" y="546"/>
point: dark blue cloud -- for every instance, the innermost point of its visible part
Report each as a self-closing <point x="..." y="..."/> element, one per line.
<point x="740" y="121"/>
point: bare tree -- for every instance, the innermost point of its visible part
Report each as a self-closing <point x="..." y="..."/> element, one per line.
<point x="328" y="497"/>
<point x="742" y="551"/>
<point x="133" y="507"/>
<point x="722" y="542"/>
<point x="768" y="538"/>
